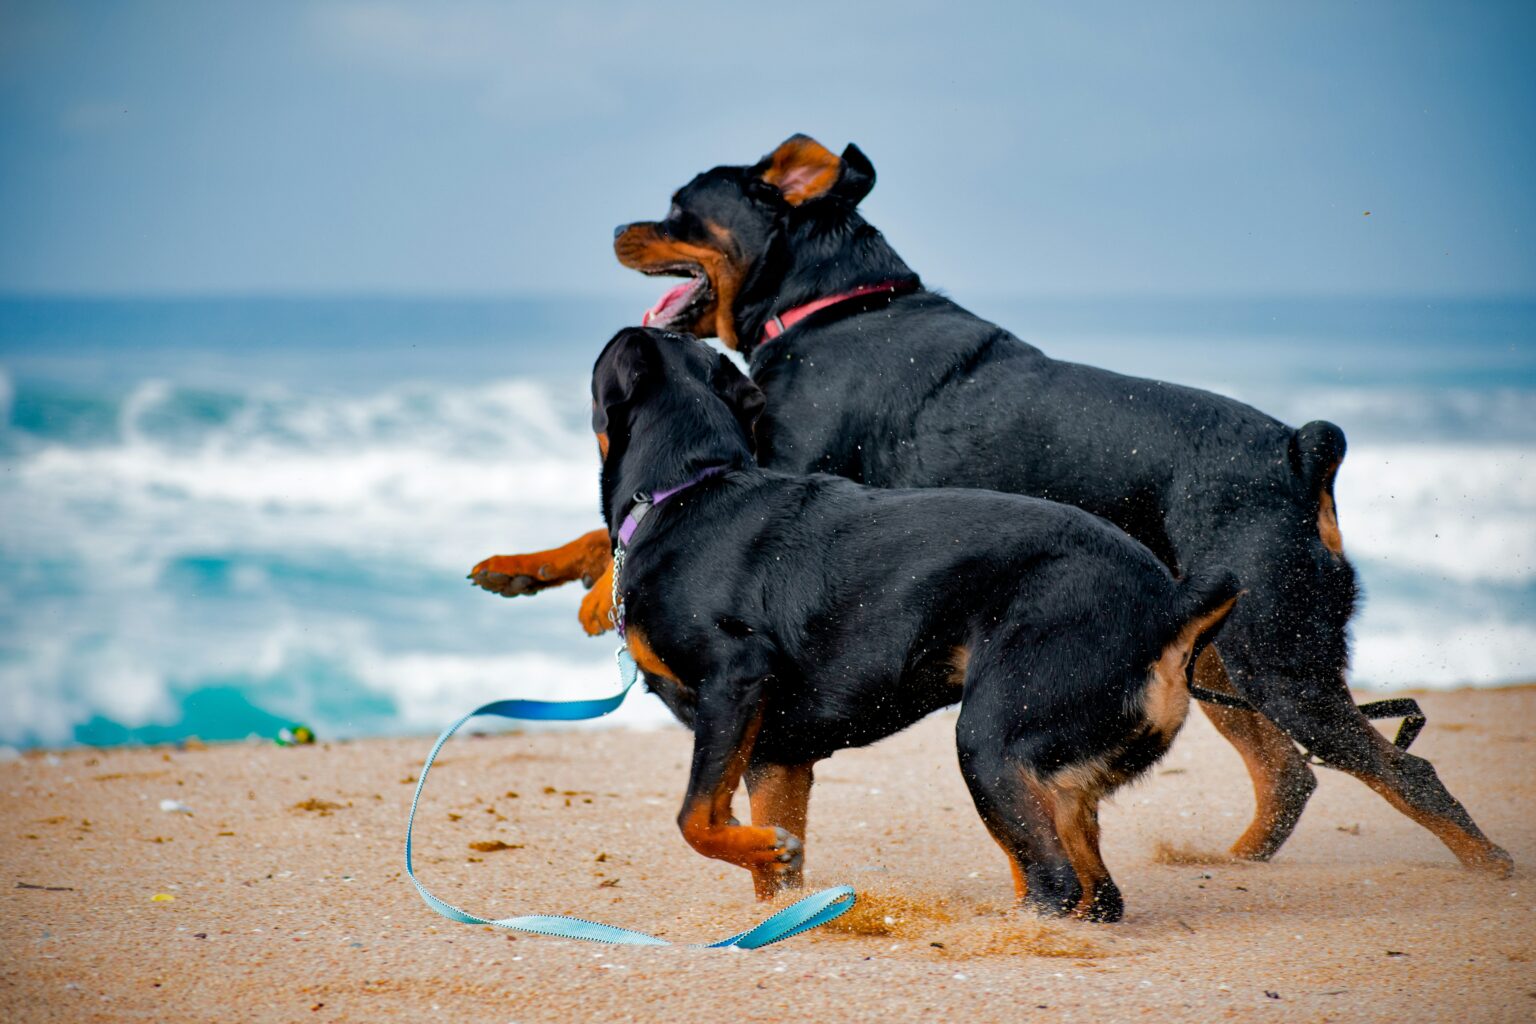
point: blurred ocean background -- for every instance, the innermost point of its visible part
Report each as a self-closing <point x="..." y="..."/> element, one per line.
<point x="224" y="515"/>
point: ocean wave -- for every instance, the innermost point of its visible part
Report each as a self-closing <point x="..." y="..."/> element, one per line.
<point x="1503" y="415"/>
<point x="426" y="475"/>
<point x="1460" y="652"/>
<point x="334" y="673"/>
<point x="1458" y="511"/>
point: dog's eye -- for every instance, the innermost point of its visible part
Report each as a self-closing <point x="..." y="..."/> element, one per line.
<point x="682" y="224"/>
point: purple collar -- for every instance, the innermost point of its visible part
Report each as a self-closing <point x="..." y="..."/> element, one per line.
<point x="646" y="504"/>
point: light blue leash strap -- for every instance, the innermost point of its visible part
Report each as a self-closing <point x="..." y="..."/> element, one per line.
<point x="801" y="916"/>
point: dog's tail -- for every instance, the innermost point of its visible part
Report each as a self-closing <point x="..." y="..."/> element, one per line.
<point x="1202" y="601"/>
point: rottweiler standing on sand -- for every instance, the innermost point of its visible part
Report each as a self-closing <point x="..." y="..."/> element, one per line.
<point x="870" y="376"/>
<point x="785" y="617"/>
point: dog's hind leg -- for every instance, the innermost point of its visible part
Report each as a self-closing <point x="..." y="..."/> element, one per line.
<point x="1335" y="731"/>
<point x="1074" y="801"/>
<point x="781" y="796"/>
<point x="1282" y="779"/>
<point x="1016" y="806"/>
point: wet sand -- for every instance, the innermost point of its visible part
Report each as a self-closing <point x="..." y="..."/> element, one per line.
<point x="289" y="902"/>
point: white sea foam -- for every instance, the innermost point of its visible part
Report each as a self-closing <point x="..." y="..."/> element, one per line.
<point x="422" y="685"/>
<point x="424" y="476"/>
<point x="1458" y="512"/>
<point x="1442" y="654"/>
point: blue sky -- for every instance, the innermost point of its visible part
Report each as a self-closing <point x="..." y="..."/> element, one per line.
<point x="1023" y="149"/>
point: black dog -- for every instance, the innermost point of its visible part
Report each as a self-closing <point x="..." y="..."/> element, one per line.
<point x="785" y="617"/>
<point x="892" y="385"/>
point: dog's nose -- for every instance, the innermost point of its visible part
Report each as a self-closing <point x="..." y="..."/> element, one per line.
<point x="619" y="231"/>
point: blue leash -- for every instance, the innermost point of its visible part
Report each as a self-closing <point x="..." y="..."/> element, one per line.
<point x="804" y="915"/>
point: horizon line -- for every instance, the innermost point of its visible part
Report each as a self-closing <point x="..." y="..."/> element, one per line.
<point x="480" y="295"/>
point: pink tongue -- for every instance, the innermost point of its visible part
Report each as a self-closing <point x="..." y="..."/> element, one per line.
<point x="665" y="304"/>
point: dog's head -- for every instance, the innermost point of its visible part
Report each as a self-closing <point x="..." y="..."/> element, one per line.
<point x="674" y="403"/>
<point x="726" y="232"/>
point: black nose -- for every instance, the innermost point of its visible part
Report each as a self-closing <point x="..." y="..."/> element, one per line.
<point x="619" y="231"/>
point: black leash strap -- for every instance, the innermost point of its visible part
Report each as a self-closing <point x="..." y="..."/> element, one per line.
<point x="1226" y="700"/>
<point x="1405" y="708"/>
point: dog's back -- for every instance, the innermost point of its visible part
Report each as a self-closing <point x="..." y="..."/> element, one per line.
<point x="941" y="397"/>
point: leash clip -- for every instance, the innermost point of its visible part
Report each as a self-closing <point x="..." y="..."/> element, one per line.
<point x="641" y="508"/>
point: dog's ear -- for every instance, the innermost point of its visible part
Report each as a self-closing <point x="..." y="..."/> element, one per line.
<point x="745" y="400"/>
<point x="624" y="364"/>
<point x="801" y="168"/>
<point x="1316" y="450"/>
<point x="857" y="176"/>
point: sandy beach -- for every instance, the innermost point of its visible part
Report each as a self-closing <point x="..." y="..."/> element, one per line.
<point x="281" y="896"/>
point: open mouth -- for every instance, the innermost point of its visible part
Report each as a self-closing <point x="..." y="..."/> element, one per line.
<point x="681" y="304"/>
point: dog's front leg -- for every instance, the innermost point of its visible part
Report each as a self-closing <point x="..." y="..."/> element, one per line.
<point x="726" y="719"/>
<point x="781" y="796"/>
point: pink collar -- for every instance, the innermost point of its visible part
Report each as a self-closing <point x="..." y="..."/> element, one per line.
<point x="787" y="319"/>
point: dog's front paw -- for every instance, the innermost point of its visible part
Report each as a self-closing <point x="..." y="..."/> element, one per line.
<point x="1493" y="861"/>
<point x="596" y="613"/>
<point x="511" y="575"/>
<point x="1102" y="903"/>
<point x="788" y="851"/>
<point x="584" y="558"/>
<point x="785" y="871"/>
<point x="777" y="864"/>
<point x="1053" y="889"/>
<point x="752" y="847"/>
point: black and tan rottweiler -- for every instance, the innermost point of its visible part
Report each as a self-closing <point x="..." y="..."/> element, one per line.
<point x="873" y="377"/>
<point x="783" y="617"/>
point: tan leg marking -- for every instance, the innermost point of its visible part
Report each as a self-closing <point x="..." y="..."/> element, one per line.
<point x="596" y="614"/>
<point x="1075" y="811"/>
<point x="1020" y="880"/>
<point x="781" y="795"/>
<point x="1474" y="852"/>
<point x="1281" y="778"/>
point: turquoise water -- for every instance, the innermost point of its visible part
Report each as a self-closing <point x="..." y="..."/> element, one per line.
<point x="224" y="515"/>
